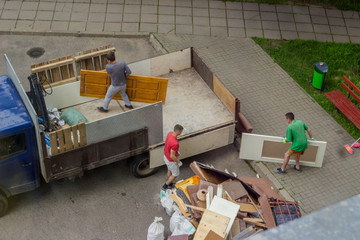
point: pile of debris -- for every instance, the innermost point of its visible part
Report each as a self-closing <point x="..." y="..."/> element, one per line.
<point x="222" y="206"/>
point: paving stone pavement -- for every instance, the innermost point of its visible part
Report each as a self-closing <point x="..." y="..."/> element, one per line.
<point x="198" y="17"/>
<point x="266" y="93"/>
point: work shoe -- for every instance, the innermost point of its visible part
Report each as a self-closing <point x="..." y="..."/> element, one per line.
<point x="296" y="170"/>
<point x="129" y="107"/>
<point x="279" y="170"/>
<point x="101" y="109"/>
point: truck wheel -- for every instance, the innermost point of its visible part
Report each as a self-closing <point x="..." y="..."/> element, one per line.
<point x="140" y="166"/>
<point x="3" y="204"/>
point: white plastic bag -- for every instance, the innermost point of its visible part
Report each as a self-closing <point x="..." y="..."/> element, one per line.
<point x="167" y="202"/>
<point x="156" y="230"/>
<point x="180" y="225"/>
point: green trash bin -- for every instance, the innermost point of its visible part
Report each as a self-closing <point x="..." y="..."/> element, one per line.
<point x="320" y="70"/>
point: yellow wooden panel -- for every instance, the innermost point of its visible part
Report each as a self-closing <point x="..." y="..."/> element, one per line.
<point x="224" y="95"/>
<point x="139" y="88"/>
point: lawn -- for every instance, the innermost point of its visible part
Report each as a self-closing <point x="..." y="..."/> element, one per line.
<point x="297" y="58"/>
<point x="340" y="4"/>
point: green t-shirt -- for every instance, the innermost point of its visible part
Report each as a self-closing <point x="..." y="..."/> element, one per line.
<point x="295" y="133"/>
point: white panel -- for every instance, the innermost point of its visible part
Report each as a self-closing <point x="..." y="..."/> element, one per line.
<point x="252" y="145"/>
<point x="225" y="208"/>
<point x="140" y="68"/>
<point x="15" y="80"/>
<point x="149" y="116"/>
<point x="171" y="62"/>
<point x="199" y="143"/>
<point x="66" y="95"/>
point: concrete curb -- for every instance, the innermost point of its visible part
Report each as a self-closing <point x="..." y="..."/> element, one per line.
<point x="264" y="172"/>
<point x="77" y="34"/>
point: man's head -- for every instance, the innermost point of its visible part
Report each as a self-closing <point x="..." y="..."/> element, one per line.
<point x="178" y="129"/>
<point x="289" y="117"/>
<point x="110" y="57"/>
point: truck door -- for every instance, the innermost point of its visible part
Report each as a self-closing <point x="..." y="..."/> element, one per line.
<point x="18" y="162"/>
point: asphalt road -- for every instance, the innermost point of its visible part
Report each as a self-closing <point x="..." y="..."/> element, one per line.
<point x="107" y="202"/>
<point x="17" y="46"/>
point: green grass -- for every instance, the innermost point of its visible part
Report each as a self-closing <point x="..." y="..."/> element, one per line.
<point x="297" y="58"/>
<point x="340" y="4"/>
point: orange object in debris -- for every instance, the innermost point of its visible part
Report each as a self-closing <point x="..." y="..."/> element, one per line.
<point x="187" y="182"/>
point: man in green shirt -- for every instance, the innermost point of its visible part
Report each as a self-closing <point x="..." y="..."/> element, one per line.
<point x="295" y="133"/>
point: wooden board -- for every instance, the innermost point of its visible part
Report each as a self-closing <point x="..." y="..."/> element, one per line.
<point x="224" y="95"/>
<point x="67" y="138"/>
<point x="211" y="221"/>
<point x="252" y="148"/>
<point x="139" y="88"/>
<point x="226" y="208"/>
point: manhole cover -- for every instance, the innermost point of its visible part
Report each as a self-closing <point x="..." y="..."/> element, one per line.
<point x="35" y="52"/>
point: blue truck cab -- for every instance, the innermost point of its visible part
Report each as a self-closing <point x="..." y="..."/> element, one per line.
<point x="19" y="157"/>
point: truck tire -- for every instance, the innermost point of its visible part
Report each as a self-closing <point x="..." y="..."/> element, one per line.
<point x="140" y="166"/>
<point x="3" y="204"/>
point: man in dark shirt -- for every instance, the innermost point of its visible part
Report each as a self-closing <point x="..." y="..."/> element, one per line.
<point x="118" y="72"/>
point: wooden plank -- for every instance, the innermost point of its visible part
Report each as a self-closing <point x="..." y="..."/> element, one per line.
<point x="211" y="221"/>
<point x="103" y="61"/>
<point x="67" y="138"/>
<point x="224" y="95"/>
<point x="52" y="64"/>
<point x="257" y="209"/>
<point x="350" y="91"/>
<point x="87" y="55"/>
<point x="255" y="223"/>
<point x="60" y="135"/>
<point x="64" y="70"/>
<point x="226" y="208"/>
<point x="97" y="63"/>
<point x="195" y="207"/>
<point x="352" y="85"/>
<point x="82" y="131"/>
<point x="53" y="143"/>
<point x="257" y="220"/>
<point x="74" y="130"/>
<point x="235" y="228"/>
<point x="180" y="204"/>
<point x="213" y="236"/>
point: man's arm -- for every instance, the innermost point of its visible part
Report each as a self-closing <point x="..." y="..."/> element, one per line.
<point x="309" y="133"/>
<point x="127" y="70"/>
<point x="173" y="156"/>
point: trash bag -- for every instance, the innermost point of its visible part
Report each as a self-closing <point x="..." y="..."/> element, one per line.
<point x="72" y="116"/>
<point x="156" y="230"/>
<point x="167" y="202"/>
<point x="180" y="225"/>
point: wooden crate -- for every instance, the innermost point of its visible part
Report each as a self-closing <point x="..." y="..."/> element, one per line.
<point x="67" y="69"/>
<point x="67" y="138"/>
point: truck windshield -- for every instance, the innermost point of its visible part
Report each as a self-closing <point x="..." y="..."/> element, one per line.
<point x="12" y="145"/>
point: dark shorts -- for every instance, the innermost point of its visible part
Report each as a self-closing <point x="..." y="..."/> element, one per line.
<point x="294" y="153"/>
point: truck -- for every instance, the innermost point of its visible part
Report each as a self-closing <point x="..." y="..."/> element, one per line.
<point x="194" y="98"/>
